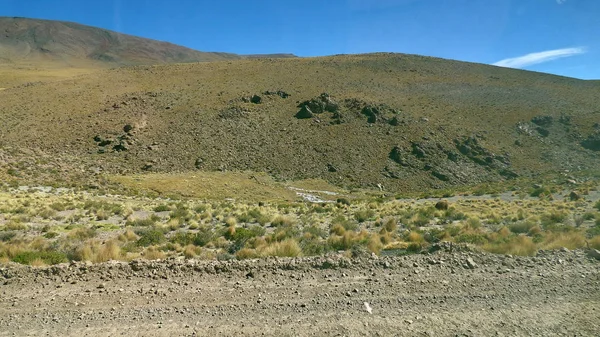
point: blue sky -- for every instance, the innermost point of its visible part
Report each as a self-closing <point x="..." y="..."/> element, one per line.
<point x="555" y="36"/>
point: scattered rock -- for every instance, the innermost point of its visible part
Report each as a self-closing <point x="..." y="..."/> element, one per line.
<point x="256" y="99"/>
<point x="128" y="128"/>
<point x="594" y="253"/>
<point x="199" y="163"/>
<point x="279" y="93"/>
<point x="331" y="168"/>
<point x="368" y="308"/>
<point x="305" y="112"/>
<point x="319" y="105"/>
<point x="574" y="196"/>
<point x="471" y="264"/>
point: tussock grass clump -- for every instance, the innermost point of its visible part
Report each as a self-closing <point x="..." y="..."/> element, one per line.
<point x="594" y="242"/>
<point x="286" y="248"/>
<point x="517" y="245"/>
<point x="570" y="240"/>
<point x="96" y="252"/>
<point x="16" y="225"/>
<point x="391" y="225"/>
<point x="82" y="234"/>
<point x="128" y="236"/>
<point x="364" y="215"/>
<point x="7" y="236"/>
<point x="521" y="227"/>
<point x="153" y="253"/>
<point x="282" y="221"/>
<point x="149" y="222"/>
<point x="348" y="240"/>
<point x="103" y="208"/>
<point x="162" y="208"/>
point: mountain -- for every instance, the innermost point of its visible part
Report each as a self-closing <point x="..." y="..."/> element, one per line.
<point x="67" y="43"/>
<point x="407" y="122"/>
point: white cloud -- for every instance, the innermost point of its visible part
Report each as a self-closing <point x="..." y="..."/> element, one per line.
<point x="535" y="58"/>
<point x="560" y="2"/>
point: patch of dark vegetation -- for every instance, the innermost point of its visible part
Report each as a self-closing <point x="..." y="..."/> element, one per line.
<point x="543" y="121"/>
<point x="592" y="142"/>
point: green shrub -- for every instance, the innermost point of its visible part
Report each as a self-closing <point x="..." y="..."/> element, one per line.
<point x="96" y="206"/>
<point x="201" y="209"/>
<point x="181" y="213"/>
<point x="7" y="236"/>
<point x="314" y="247"/>
<point x="50" y="235"/>
<point x="552" y="218"/>
<point x="162" y="208"/>
<point x="150" y="237"/>
<point x="540" y="192"/>
<point x="48" y="257"/>
<point x="315" y="231"/>
<point x="473" y="238"/>
<point x="149" y="222"/>
<point x="364" y="215"/>
<point x="521" y="227"/>
<point x="452" y="214"/>
<point x="203" y="237"/>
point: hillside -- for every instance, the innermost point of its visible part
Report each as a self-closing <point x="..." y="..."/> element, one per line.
<point x="32" y="50"/>
<point x="70" y="43"/>
<point x="403" y="121"/>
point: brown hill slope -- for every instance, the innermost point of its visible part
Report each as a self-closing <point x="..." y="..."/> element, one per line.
<point x="403" y="121"/>
<point x="70" y="43"/>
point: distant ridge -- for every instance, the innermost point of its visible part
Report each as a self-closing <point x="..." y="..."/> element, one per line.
<point x="68" y="43"/>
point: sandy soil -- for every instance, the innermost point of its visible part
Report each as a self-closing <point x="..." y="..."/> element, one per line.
<point x="442" y="294"/>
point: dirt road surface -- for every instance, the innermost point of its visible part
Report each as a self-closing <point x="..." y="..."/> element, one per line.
<point x="442" y="294"/>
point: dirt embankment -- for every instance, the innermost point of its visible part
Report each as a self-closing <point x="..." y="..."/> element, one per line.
<point x="443" y="294"/>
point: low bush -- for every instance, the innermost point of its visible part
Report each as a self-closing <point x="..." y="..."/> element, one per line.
<point x="51" y="257"/>
<point x="150" y="237"/>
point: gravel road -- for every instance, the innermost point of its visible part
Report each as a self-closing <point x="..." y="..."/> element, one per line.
<point x="442" y="294"/>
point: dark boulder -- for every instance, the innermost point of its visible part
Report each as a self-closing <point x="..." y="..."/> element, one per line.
<point x="323" y="103"/>
<point x="397" y="155"/>
<point x="256" y="99"/>
<point x="279" y="93"/>
<point x="305" y="112"/>
<point x="372" y="113"/>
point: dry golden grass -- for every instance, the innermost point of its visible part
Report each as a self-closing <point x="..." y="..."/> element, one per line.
<point x="520" y="245"/>
<point x="18" y="74"/>
<point x="375" y="244"/>
<point x="286" y="248"/>
<point x="415" y="237"/>
<point x="152" y="253"/>
<point x="128" y="235"/>
<point x="571" y="240"/>
<point x="212" y="185"/>
<point x="594" y="242"/>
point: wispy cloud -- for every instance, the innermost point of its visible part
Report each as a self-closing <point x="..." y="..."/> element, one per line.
<point x="540" y="57"/>
<point x="560" y="2"/>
